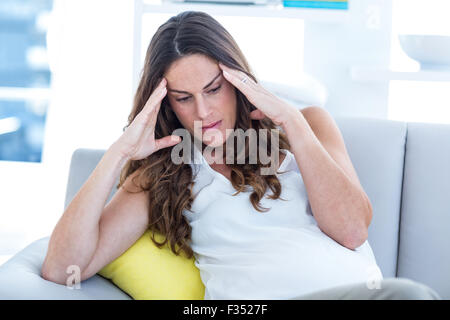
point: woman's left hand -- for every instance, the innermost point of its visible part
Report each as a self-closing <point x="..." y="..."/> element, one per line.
<point x="267" y="104"/>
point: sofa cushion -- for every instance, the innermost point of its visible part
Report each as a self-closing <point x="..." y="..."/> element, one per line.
<point x="82" y="163"/>
<point x="147" y="272"/>
<point x="20" y="278"/>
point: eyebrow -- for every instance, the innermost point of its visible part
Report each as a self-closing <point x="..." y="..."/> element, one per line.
<point x="210" y="83"/>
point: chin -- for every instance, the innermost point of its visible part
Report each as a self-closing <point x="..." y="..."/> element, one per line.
<point x="214" y="138"/>
<point x="214" y="144"/>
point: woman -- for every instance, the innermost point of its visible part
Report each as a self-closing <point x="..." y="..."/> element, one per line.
<point x="291" y="234"/>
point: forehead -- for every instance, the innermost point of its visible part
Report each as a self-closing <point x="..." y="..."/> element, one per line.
<point x="191" y="73"/>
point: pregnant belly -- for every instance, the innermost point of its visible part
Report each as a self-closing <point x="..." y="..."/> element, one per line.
<point x="297" y="263"/>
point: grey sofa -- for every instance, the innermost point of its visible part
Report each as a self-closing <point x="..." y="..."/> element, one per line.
<point x="403" y="167"/>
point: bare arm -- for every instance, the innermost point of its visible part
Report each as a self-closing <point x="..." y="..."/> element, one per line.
<point x="83" y="236"/>
<point x="123" y="221"/>
<point x="75" y="236"/>
<point x="339" y="204"/>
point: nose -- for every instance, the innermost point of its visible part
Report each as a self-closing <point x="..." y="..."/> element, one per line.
<point x="203" y="109"/>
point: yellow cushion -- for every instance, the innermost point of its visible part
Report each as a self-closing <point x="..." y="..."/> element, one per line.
<point x="147" y="272"/>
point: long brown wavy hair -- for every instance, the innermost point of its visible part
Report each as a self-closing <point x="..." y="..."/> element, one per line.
<point x="170" y="185"/>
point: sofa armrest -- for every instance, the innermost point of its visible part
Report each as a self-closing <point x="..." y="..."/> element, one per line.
<point x="20" y="279"/>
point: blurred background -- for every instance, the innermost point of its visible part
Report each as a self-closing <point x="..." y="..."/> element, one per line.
<point x="68" y="70"/>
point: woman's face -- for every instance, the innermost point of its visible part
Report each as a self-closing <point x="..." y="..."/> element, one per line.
<point x="197" y="91"/>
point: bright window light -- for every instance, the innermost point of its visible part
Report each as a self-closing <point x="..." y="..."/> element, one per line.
<point x="418" y="101"/>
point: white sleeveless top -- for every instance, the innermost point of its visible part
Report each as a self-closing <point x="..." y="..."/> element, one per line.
<point x="278" y="254"/>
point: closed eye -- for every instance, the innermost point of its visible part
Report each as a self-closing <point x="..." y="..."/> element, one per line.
<point x="183" y="99"/>
<point x="210" y="91"/>
<point x="215" y="89"/>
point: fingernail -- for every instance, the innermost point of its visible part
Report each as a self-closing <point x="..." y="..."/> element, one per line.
<point x="226" y="73"/>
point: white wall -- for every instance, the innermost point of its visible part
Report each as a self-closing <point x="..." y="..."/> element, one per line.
<point x="419" y="101"/>
<point x="272" y="46"/>
<point x="92" y="80"/>
<point x="331" y="50"/>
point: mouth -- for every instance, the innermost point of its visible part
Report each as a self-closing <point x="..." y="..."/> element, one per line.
<point x="213" y="125"/>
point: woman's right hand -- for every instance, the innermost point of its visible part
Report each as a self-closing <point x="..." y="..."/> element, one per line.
<point x="138" y="141"/>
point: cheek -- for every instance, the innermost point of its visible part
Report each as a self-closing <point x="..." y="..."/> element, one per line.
<point x="185" y="117"/>
<point x="230" y="103"/>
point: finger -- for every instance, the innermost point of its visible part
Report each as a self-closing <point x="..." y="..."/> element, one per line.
<point x="147" y="122"/>
<point x="157" y="94"/>
<point x="235" y="77"/>
<point x="151" y="121"/>
<point x="155" y="110"/>
<point x="167" y="141"/>
<point x="239" y="75"/>
<point x="257" y="115"/>
<point x="154" y="101"/>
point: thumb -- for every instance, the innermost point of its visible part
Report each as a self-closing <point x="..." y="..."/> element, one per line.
<point x="167" y="142"/>
<point x="257" y="115"/>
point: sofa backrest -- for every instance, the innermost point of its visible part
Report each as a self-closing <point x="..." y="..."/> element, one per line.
<point x="377" y="150"/>
<point x="424" y="253"/>
<point x="82" y="163"/>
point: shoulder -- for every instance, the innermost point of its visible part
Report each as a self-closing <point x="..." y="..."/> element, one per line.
<point x="323" y="125"/>
<point x="327" y="132"/>
<point x="316" y="115"/>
